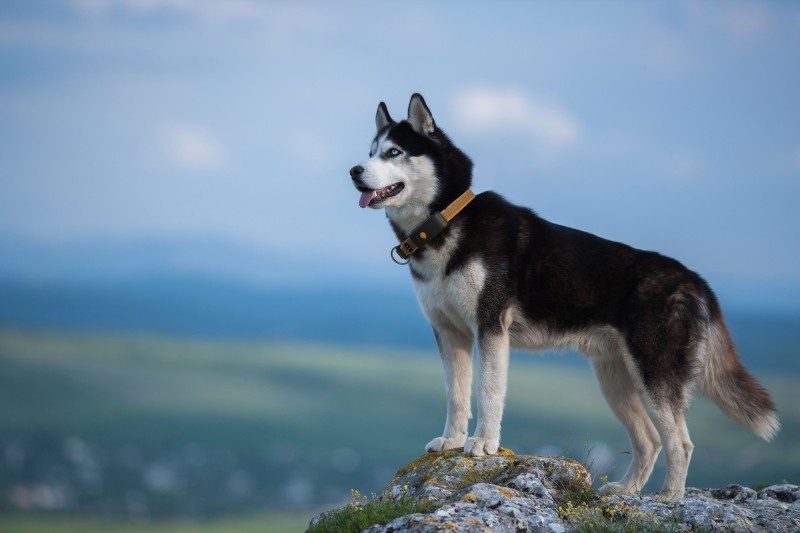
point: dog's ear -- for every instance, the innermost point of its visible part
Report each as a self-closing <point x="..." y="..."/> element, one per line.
<point x="419" y="116"/>
<point x="382" y="118"/>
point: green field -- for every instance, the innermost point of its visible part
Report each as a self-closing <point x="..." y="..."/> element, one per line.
<point x="146" y="430"/>
<point x="271" y="523"/>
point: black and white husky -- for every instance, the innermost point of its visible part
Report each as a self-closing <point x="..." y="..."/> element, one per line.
<point x="499" y="276"/>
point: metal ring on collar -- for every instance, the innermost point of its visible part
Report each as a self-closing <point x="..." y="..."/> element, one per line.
<point x="391" y="254"/>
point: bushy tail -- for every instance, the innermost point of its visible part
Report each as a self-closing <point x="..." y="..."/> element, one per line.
<point x="728" y="384"/>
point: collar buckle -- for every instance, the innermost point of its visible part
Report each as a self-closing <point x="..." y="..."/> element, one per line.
<point x="408" y="247"/>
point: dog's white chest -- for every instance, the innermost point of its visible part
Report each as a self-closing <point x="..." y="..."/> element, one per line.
<point x="450" y="299"/>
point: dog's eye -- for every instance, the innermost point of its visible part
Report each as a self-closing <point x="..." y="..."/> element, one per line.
<point x="393" y="152"/>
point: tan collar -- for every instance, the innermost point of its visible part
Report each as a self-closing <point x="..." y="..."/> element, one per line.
<point x="428" y="230"/>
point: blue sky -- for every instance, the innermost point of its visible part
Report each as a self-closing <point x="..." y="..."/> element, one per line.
<point x="669" y="126"/>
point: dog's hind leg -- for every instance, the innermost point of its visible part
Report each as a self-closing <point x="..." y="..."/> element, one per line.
<point x="668" y="342"/>
<point x="619" y="390"/>
<point x="456" y="351"/>
<point x="668" y="417"/>
<point x="688" y="446"/>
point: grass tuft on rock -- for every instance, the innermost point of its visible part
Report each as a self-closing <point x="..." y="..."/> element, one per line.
<point x="618" y="518"/>
<point x="360" y="515"/>
<point x="580" y="496"/>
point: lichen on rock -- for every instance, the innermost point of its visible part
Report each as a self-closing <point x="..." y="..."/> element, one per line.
<point x="508" y="492"/>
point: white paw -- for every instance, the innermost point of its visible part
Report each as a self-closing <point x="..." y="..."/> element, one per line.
<point x="440" y="444"/>
<point x="616" y="487"/>
<point x="670" y="495"/>
<point x="478" y="446"/>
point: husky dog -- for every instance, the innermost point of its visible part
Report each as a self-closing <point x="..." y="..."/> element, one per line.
<point x="501" y="277"/>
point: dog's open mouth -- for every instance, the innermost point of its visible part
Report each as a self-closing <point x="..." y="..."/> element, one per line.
<point x="370" y="196"/>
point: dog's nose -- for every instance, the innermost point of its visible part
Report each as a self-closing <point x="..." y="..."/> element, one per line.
<point x="356" y="171"/>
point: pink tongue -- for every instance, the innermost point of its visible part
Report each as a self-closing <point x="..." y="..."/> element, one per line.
<point x="366" y="198"/>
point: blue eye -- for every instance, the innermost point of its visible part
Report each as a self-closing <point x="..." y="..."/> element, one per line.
<point x="393" y="152"/>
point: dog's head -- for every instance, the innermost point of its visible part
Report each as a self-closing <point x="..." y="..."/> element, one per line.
<point x="412" y="164"/>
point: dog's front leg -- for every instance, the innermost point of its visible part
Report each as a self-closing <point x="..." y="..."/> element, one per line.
<point x="456" y="351"/>
<point x="494" y="353"/>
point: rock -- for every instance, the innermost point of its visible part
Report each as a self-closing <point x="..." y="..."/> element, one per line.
<point x="482" y="507"/>
<point x="434" y="477"/>
<point x="508" y="492"/>
<point x="317" y="519"/>
<point x="530" y="484"/>
<point x="736" y="493"/>
<point x="785" y="493"/>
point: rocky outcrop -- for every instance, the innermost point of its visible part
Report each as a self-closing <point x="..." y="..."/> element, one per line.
<point x="508" y="492"/>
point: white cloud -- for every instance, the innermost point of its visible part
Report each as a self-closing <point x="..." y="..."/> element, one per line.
<point x="192" y="147"/>
<point x="492" y="111"/>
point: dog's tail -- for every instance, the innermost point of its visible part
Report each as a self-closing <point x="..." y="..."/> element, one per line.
<point x="728" y="384"/>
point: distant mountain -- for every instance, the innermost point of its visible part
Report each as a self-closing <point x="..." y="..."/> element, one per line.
<point x="131" y="259"/>
<point x="127" y="261"/>
<point x="218" y="289"/>
<point x="344" y="315"/>
<point x="211" y="308"/>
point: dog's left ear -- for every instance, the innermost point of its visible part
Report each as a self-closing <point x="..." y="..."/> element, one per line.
<point x="419" y="116"/>
<point x="382" y="118"/>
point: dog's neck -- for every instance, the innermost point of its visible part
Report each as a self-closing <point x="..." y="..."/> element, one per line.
<point x="407" y="217"/>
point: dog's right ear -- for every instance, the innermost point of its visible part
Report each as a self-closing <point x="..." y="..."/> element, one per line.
<point x="382" y="118"/>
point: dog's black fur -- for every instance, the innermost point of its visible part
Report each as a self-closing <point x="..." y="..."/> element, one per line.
<point x="567" y="279"/>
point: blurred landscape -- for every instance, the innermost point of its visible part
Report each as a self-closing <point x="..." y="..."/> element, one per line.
<point x="199" y="329"/>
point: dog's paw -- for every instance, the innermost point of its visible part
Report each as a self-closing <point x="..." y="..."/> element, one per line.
<point x="440" y="444"/>
<point x="670" y="495"/>
<point x="616" y="487"/>
<point x="478" y="446"/>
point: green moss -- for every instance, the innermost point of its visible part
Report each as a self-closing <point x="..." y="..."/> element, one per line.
<point x="357" y="517"/>
<point x="427" y="460"/>
<point x="485" y="475"/>
<point x="572" y="478"/>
